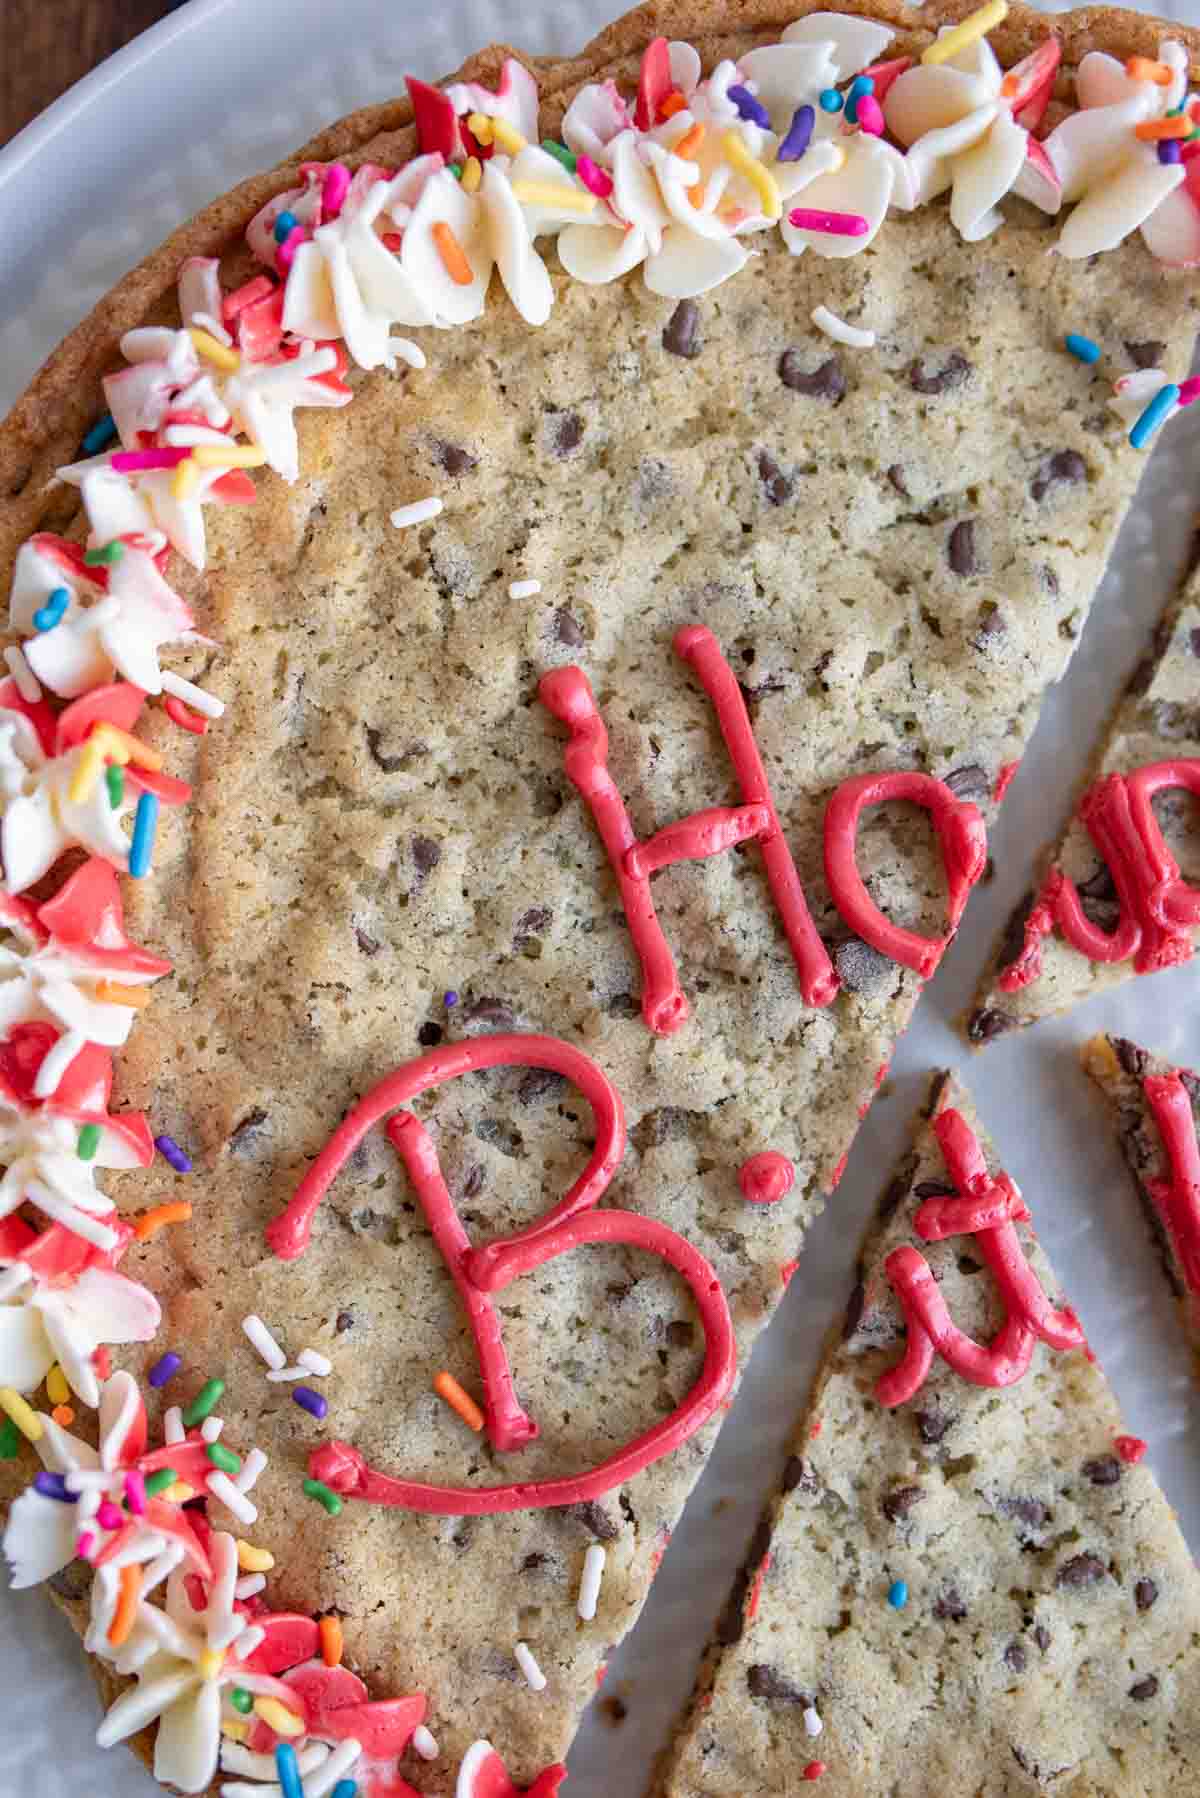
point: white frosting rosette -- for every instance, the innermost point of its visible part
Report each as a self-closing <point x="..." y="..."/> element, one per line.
<point x="42" y="1322"/>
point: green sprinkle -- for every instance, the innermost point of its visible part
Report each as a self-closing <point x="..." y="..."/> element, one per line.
<point x="10" y="1440"/>
<point x="320" y="1491"/>
<point x="88" y="1141"/>
<point x="158" y="1482"/>
<point x="224" y="1458"/>
<point x="204" y="1402"/>
<point x="241" y="1700"/>
<point x="560" y="153"/>
<point x="456" y="169"/>
<point x="114" y="779"/>
<point x="105" y="556"/>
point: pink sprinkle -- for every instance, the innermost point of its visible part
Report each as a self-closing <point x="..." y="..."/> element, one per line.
<point x="85" y="1545"/>
<point x="597" y="180"/>
<point x="333" y="193"/>
<point x="109" y="1516"/>
<point x="126" y="461"/>
<point x="246" y="295"/>
<point x="285" y="255"/>
<point x="1189" y="390"/>
<point x="135" y="1492"/>
<point x="1130" y="1448"/>
<point x="838" y="224"/>
<point x="870" y="115"/>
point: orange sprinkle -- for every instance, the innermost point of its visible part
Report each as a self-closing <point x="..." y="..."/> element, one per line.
<point x="110" y="992"/>
<point x="454" y="259"/>
<point x="330" y="1631"/>
<point x="1155" y="130"/>
<point x="696" y="194"/>
<point x="689" y="144"/>
<point x="673" y="103"/>
<point x="1144" y="68"/>
<point x="447" y="1387"/>
<point x="125" y="1615"/>
<point x="63" y="1416"/>
<point x="151" y="1222"/>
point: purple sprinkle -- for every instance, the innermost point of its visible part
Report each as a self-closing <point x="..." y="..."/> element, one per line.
<point x="1170" y="150"/>
<point x="53" y="1485"/>
<point x="799" y="135"/>
<point x="171" y="1153"/>
<point x="310" y="1401"/>
<point x="749" y="107"/>
<point x="451" y="999"/>
<point x="165" y="1368"/>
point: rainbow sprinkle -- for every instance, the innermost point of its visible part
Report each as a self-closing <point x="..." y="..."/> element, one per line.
<point x="324" y="1496"/>
<point x="829" y="100"/>
<point x="10" y="1440"/>
<point x="287" y="1771"/>
<point x="164" y="1369"/>
<point x="1082" y="348"/>
<point x="114" y="780"/>
<point x="1149" y="421"/>
<point x="837" y="224"/>
<point x="105" y="556"/>
<point x="88" y="1141"/>
<point x="310" y="1401"/>
<point x="158" y="1482"/>
<point x="223" y="1458"/>
<point x="170" y="1150"/>
<point x="102" y="433"/>
<point x="204" y="1403"/>
<point x="799" y="135"/>
<point x="860" y="87"/>
<point x="898" y="1595"/>
<point x="145" y="829"/>
<point x="52" y="613"/>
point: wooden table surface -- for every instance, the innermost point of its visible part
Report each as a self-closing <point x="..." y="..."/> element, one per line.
<point x="60" y="40"/>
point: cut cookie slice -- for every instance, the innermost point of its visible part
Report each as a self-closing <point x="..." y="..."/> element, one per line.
<point x="1116" y="896"/>
<point x="395" y="847"/>
<point x="975" y="1589"/>
<point x="1155" y="1106"/>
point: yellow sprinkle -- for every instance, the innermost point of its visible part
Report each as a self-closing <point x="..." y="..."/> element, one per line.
<point x="508" y="137"/>
<point x="23" y="1415"/>
<point x="57" y="1390"/>
<point x="236" y="455"/>
<point x="480" y="127"/>
<point x="548" y="193"/>
<point x="119" y="746"/>
<point x="184" y="479"/>
<point x="234" y="1729"/>
<point x="278" y="1717"/>
<point x="88" y="770"/>
<point x="472" y="174"/>
<point x="759" y="177"/>
<point x="254" y="1560"/>
<point x="179" y="1493"/>
<point x="976" y="25"/>
<point x="214" y="352"/>
<point x="210" y="1663"/>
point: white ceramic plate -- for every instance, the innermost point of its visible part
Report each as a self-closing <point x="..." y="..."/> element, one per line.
<point x="225" y="87"/>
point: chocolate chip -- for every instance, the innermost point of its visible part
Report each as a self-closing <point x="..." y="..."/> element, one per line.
<point x="1049" y="579"/>
<point x="1146" y="355"/>
<point x="1029" y="1510"/>
<point x="680" y="1333"/>
<point x="1065" y="465"/>
<point x="992" y="624"/>
<point x="430" y="1035"/>
<point x="896" y="1505"/>
<point x="681" y="331"/>
<point x="1042" y="1637"/>
<point x="1140" y="680"/>
<point x="567" y="629"/>
<point x="1194" y="640"/>
<point x="854" y="1311"/>
<point x="985" y="1026"/>
<point x="1176" y="721"/>
<point x="594" y="1518"/>
<point x="563" y="431"/>
<point x="1100" y="885"/>
<point x="732" y="1621"/>
<point x="1135" y="1061"/>
<point x="491" y="1014"/>
<point x="389" y="763"/>
<point x="1145" y="1594"/>
<point x="827" y="382"/>
<point x="960" y="547"/>
<point x="531" y="924"/>
<point x="860" y="967"/>
<point x="895" y="475"/>
<point x="767" y="1682"/>
<point x="1144" y="1689"/>
<point x="244" y="1134"/>
<point x="537" y="1084"/>
<point x="453" y="458"/>
<point x="345" y="1321"/>
<point x="798" y="1476"/>
<point x="950" y="1607"/>
<point x="614" y="1710"/>
<point x="952" y="374"/>
<point x="893" y="1198"/>
<point x="1081" y="1570"/>
<point x="1014" y="1657"/>
<point x="1105" y="1470"/>
<point x="667" y="1123"/>
<point x="778" y="487"/>
<point x="971" y="782"/>
<point x="935" y="1189"/>
<point x="932" y="1425"/>
<point x="622" y="1005"/>
<point x="475" y="1181"/>
<point x="426" y="855"/>
<point x="366" y="943"/>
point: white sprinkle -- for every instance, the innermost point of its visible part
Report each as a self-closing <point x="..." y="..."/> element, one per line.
<point x="288" y="1373"/>
<point x="211" y="1428"/>
<point x="524" y="589"/>
<point x="417" y="513"/>
<point x="222" y="1487"/>
<point x="250" y="1639"/>
<point x="253" y="1582"/>
<point x="173" y="1430"/>
<point x="251" y="1467"/>
<point x="424" y="1743"/>
<point x="327" y="1775"/>
<point x="254" y="1328"/>
<point x="206" y="322"/>
<point x="840" y="331"/>
<point x="86" y="1505"/>
<point x="535" y="1679"/>
<point x="194" y="696"/>
<point x="227" y="1635"/>
<point x="312" y="1361"/>
<point x="84" y="1479"/>
<point x="22" y="673"/>
<point x="812" y="1723"/>
<point x="589" y="1585"/>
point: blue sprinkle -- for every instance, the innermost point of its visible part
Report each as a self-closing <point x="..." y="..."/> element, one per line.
<point x="287" y="1771"/>
<point x="173" y="1155"/>
<point x="1170" y="150"/>
<point x="102" y="433"/>
<point x="451" y="1000"/>
<point x="345" y="1788"/>
<point x="898" y="1595"/>
<point x="750" y="107"/>
<point x="859" y="88"/>
<point x="1155" y="412"/>
<point x="145" y="827"/>
<point x="829" y="100"/>
<point x="310" y="1401"/>
<point x="52" y="613"/>
<point x="164" y="1369"/>
<point x="1082" y="348"/>
<point x="53" y="1485"/>
<point x="799" y="135"/>
<point x="285" y="224"/>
